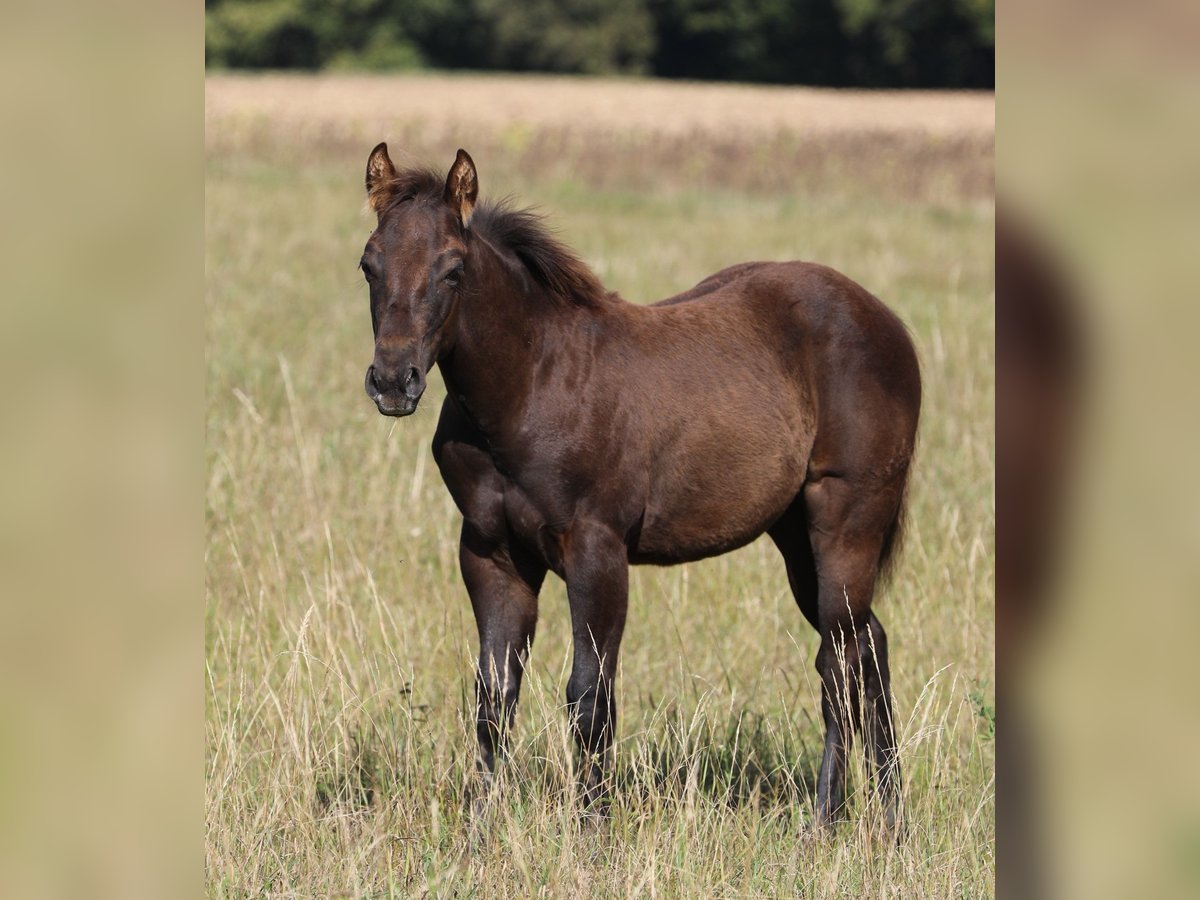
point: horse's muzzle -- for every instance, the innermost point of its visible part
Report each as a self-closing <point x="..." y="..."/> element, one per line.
<point x="396" y="395"/>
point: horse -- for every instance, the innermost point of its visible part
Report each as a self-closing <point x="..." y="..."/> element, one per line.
<point x="582" y="433"/>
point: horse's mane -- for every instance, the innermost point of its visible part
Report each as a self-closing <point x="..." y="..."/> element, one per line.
<point x="519" y="232"/>
<point x="552" y="264"/>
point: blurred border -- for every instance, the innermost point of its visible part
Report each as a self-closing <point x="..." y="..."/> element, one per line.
<point x="1097" y="140"/>
<point x="101" y="465"/>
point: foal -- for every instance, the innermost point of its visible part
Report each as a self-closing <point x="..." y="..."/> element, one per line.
<point x="582" y="433"/>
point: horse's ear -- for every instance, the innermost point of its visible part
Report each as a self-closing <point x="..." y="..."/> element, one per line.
<point x="380" y="174"/>
<point x="462" y="187"/>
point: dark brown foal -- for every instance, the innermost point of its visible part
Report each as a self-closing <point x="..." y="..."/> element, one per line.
<point x="582" y="433"/>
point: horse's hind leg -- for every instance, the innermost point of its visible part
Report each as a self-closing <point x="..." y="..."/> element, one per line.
<point x="881" y="733"/>
<point x="847" y="524"/>
<point x="790" y="535"/>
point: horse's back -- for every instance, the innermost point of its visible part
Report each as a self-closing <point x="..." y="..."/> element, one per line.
<point x="805" y="310"/>
<point x="816" y="340"/>
<point x="712" y="283"/>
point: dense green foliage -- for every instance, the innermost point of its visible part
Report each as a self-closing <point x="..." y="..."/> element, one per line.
<point x="900" y="43"/>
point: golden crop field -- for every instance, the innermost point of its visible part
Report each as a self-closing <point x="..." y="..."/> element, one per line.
<point x="339" y="638"/>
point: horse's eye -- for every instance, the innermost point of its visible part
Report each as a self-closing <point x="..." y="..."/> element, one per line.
<point x="366" y="270"/>
<point x="452" y="277"/>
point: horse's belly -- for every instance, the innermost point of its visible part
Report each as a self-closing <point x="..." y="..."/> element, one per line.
<point x="723" y="478"/>
<point x="691" y="520"/>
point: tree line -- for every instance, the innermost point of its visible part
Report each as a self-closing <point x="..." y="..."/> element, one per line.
<point x="845" y="43"/>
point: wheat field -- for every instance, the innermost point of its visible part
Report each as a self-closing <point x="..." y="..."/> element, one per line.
<point x="339" y="746"/>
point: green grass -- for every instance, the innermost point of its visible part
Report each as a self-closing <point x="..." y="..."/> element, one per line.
<point x="339" y="638"/>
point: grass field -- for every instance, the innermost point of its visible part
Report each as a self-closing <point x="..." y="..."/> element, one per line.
<point x="339" y="638"/>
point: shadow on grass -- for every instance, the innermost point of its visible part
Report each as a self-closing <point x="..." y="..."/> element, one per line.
<point x="353" y="781"/>
<point x="738" y="760"/>
<point x="742" y="759"/>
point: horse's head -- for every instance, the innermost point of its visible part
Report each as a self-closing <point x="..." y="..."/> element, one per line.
<point x="414" y="263"/>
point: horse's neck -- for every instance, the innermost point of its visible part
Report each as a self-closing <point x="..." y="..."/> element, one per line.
<point x="501" y="329"/>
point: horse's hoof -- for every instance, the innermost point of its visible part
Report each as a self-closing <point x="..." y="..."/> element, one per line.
<point x="813" y="833"/>
<point x="479" y="808"/>
<point x="596" y="817"/>
<point x="480" y="812"/>
<point x="817" y="829"/>
<point x="893" y="827"/>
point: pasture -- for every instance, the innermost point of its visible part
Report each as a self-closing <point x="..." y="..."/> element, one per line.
<point x="339" y="638"/>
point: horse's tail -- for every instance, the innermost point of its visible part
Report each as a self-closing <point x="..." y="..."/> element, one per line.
<point x="893" y="537"/>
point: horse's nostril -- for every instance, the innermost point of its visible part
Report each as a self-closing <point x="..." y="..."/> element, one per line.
<point x="414" y="382"/>
<point x="372" y="383"/>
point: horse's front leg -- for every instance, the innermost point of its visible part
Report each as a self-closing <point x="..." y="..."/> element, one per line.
<point x="596" y="566"/>
<point x="503" y="582"/>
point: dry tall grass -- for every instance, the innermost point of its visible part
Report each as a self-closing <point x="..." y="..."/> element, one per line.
<point x="340" y="640"/>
